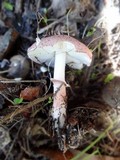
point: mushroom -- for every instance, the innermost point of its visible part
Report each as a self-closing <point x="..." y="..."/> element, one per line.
<point x="57" y="51"/>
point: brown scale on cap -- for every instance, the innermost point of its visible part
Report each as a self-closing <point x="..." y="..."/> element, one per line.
<point x="50" y="41"/>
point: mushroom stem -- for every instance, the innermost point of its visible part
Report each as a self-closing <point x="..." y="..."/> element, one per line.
<point x="59" y="101"/>
<point x="59" y="67"/>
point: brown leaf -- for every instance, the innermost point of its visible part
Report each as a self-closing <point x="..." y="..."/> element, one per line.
<point x="30" y="93"/>
<point x="55" y="154"/>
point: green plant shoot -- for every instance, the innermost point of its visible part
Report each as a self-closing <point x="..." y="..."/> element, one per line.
<point x="17" y="101"/>
<point x="109" y="78"/>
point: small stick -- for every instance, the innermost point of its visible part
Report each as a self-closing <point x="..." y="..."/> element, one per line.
<point x="22" y="108"/>
<point x="42" y="30"/>
<point x="22" y="81"/>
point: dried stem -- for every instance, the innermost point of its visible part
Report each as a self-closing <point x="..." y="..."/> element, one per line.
<point x="22" y="108"/>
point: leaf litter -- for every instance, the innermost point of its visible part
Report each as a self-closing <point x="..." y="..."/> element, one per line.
<point x="93" y="95"/>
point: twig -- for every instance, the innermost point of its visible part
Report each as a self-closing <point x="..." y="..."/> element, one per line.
<point x="15" y="139"/>
<point x="22" y="108"/>
<point x="102" y="35"/>
<point x="67" y="18"/>
<point x="38" y="3"/>
<point x="6" y="97"/>
<point x="22" y="81"/>
<point x="85" y="29"/>
<point x="42" y="30"/>
<point x="6" y="71"/>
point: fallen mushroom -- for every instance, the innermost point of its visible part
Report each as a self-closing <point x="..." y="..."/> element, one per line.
<point x="57" y="51"/>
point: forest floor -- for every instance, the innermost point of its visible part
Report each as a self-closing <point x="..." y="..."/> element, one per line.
<point x="93" y="114"/>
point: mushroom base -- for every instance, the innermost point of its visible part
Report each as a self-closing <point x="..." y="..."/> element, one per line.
<point x="59" y="106"/>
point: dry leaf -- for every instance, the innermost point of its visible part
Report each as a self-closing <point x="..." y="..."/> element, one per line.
<point x="55" y="154"/>
<point x="30" y="93"/>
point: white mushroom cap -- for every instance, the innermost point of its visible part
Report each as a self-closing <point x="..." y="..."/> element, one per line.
<point x="44" y="50"/>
